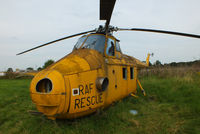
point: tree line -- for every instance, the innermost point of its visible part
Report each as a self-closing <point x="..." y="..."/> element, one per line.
<point x="30" y="69"/>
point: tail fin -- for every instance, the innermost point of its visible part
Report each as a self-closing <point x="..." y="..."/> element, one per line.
<point x="147" y="60"/>
<point x="148" y="57"/>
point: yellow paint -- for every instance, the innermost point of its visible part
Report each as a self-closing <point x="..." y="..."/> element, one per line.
<point x="141" y="88"/>
<point x="134" y="95"/>
<point x="78" y="72"/>
<point x="147" y="60"/>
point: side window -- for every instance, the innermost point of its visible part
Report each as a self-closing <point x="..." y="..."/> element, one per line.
<point x="79" y="43"/>
<point x="118" y="46"/>
<point x="124" y="73"/>
<point x="110" y="50"/>
<point x="131" y="72"/>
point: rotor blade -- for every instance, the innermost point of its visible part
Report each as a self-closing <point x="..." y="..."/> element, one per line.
<point x="106" y="9"/>
<point x="71" y="36"/>
<point x="160" y="31"/>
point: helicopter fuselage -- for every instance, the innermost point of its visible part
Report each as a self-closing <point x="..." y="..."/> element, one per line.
<point x="93" y="76"/>
<point x="85" y="80"/>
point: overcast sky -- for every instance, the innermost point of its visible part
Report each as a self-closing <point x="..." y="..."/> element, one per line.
<point x="27" y="23"/>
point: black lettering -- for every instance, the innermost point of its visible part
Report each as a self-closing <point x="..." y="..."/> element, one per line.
<point x="82" y="102"/>
<point x="93" y="97"/>
<point x="100" y="98"/>
<point x="81" y="87"/>
<point x="77" y="101"/>
<point x="90" y="87"/>
<point x="86" y="89"/>
<point x="97" y="102"/>
<point x="88" y="100"/>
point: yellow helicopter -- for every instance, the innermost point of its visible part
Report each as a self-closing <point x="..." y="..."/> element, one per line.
<point x="93" y="76"/>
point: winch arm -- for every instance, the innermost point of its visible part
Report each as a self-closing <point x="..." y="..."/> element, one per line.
<point x="141" y="88"/>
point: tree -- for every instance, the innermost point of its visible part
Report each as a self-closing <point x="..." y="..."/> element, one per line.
<point x="48" y="63"/>
<point x="39" y="69"/>
<point x="10" y="70"/>
<point x="157" y="63"/>
<point x="29" y="69"/>
<point x="10" y="74"/>
<point x="173" y="64"/>
<point x="150" y="64"/>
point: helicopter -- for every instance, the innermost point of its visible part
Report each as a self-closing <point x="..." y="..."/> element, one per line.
<point x="93" y="76"/>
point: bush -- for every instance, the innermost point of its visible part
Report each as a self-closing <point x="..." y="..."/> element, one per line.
<point x="48" y="63"/>
<point x="10" y="75"/>
<point x="167" y="71"/>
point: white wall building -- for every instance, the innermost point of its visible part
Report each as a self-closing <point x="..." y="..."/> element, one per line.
<point x="2" y="73"/>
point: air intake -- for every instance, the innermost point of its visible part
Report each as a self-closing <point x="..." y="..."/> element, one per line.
<point x="102" y="83"/>
<point x="44" y="86"/>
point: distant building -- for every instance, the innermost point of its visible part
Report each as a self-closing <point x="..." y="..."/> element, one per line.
<point x="20" y="71"/>
<point x="17" y="70"/>
<point x="2" y="73"/>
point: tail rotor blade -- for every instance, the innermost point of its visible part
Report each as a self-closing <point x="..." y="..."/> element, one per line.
<point x="160" y="31"/>
<point x="51" y="42"/>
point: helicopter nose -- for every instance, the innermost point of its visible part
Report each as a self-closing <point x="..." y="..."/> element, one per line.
<point x="48" y="92"/>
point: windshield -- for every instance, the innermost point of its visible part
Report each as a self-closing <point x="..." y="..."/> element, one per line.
<point x="79" y="43"/>
<point x="96" y="42"/>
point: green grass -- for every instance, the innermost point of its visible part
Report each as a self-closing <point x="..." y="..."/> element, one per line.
<point x="172" y="106"/>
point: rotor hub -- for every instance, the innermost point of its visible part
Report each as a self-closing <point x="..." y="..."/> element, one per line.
<point x="102" y="29"/>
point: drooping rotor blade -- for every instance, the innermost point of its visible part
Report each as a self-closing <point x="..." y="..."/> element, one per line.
<point x="106" y="9"/>
<point x="160" y="31"/>
<point x="71" y="36"/>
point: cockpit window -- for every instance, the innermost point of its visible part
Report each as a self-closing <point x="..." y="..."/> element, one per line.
<point x="118" y="46"/>
<point x="96" y="42"/>
<point x="79" y="43"/>
<point x="110" y="47"/>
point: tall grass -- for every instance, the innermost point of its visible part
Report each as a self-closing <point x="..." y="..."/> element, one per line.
<point x="185" y="73"/>
<point x="172" y="106"/>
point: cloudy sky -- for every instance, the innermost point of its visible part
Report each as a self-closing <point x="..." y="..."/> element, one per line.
<point x="27" y="23"/>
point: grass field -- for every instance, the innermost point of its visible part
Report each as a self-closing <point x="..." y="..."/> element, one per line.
<point x="172" y="106"/>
